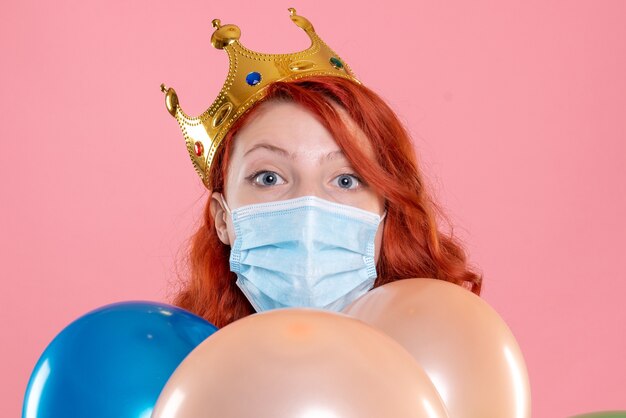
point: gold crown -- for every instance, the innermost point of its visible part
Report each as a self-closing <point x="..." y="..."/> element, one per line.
<point x="249" y="74"/>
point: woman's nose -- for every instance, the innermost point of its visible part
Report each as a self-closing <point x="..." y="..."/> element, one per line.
<point x="310" y="187"/>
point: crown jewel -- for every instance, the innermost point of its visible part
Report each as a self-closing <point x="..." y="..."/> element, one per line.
<point x="249" y="74"/>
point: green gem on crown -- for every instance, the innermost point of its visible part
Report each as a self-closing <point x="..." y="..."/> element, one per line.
<point x="336" y="62"/>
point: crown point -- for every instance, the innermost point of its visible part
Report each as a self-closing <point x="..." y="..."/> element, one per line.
<point x="171" y="99"/>
<point x="224" y="35"/>
<point x="302" y="22"/>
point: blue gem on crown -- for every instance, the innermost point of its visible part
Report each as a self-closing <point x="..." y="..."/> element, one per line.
<point x="253" y="78"/>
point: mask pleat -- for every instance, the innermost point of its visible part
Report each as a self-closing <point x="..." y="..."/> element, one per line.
<point x="305" y="252"/>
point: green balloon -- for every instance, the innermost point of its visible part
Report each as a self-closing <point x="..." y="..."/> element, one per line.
<point x="603" y="414"/>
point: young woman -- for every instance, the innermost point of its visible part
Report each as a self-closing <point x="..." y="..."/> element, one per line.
<point x="315" y="198"/>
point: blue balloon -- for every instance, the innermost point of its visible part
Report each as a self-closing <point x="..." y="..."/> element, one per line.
<point x="113" y="361"/>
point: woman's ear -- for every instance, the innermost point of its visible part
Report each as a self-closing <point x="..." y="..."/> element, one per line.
<point x="219" y="217"/>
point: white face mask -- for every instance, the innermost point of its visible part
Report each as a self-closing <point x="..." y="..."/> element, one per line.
<point x="304" y="252"/>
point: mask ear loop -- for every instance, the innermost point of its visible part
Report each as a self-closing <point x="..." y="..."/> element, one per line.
<point x="384" y="215"/>
<point x="225" y="205"/>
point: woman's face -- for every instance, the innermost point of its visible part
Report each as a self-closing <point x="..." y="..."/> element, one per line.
<point x="284" y="152"/>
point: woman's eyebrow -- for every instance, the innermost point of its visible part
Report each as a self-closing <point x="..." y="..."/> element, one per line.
<point x="270" y="147"/>
<point x="333" y="155"/>
<point x="330" y="156"/>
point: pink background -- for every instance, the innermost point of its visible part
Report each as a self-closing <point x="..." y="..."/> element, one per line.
<point x="517" y="108"/>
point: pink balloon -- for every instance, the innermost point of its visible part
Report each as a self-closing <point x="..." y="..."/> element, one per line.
<point x="302" y="363"/>
<point x="464" y="346"/>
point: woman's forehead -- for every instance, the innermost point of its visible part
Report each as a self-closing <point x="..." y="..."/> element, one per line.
<point x="288" y="128"/>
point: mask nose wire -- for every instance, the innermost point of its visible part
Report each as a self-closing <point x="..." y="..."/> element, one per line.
<point x="229" y="211"/>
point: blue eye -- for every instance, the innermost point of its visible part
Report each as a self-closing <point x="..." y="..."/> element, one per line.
<point x="267" y="178"/>
<point x="348" y="181"/>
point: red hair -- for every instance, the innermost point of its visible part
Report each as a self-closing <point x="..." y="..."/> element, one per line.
<point x="412" y="244"/>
